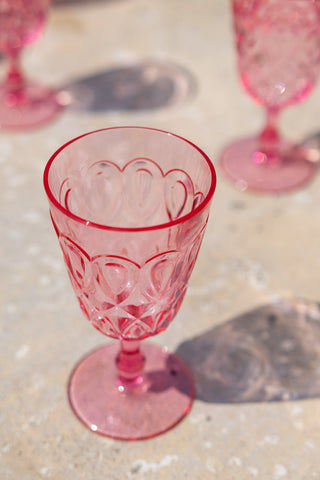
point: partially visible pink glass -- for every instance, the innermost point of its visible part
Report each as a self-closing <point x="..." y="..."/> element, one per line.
<point x="23" y="103"/>
<point x="130" y="207"/>
<point x="278" y="51"/>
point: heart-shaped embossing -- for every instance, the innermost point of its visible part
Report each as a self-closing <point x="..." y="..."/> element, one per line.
<point x="197" y="199"/>
<point x="64" y="192"/>
<point x="103" y="192"/>
<point x="192" y="253"/>
<point x="179" y="193"/>
<point x="143" y="189"/>
<point x="140" y="194"/>
<point x="78" y="263"/>
<point x="116" y="277"/>
<point x="160" y="274"/>
<point x="190" y="230"/>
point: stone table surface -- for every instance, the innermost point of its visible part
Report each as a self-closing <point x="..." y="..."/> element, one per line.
<point x="248" y="327"/>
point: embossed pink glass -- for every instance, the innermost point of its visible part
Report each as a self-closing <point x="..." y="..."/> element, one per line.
<point x="278" y="51"/>
<point x="130" y="206"/>
<point x="23" y="103"/>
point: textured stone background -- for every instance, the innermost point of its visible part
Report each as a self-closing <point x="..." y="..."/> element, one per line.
<point x="257" y="249"/>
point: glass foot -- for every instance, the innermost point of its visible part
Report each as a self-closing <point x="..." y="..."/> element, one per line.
<point x="163" y="397"/>
<point x="35" y="106"/>
<point x="251" y="169"/>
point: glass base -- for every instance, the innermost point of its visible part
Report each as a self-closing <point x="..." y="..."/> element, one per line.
<point x="251" y="169"/>
<point x="36" y="105"/>
<point x="153" y="406"/>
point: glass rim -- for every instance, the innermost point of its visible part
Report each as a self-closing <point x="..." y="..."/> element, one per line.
<point x="87" y="222"/>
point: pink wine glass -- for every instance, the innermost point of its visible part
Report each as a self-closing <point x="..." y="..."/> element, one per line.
<point x="278" y="50"/>
<point x="130" y="206"/>
<point x="23" y="103"/>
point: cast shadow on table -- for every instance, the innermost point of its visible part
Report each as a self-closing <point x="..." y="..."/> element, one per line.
<point x="145" y="86"/>
<point x="271" y="353"/>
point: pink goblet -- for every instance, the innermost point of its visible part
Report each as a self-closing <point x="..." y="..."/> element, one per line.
<point x="23" y="103"/>
<point x="130" y="206"/>
<point x="278" y="49"/>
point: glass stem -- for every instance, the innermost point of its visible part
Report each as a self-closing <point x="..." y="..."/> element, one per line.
<point x="15" y="80"/>
<point x="130" y="363"/>
<point x="269" y="137"/>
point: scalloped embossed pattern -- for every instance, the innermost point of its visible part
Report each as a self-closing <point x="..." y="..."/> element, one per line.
<point x="130" y="285"/>
<point x="139" y="194"/>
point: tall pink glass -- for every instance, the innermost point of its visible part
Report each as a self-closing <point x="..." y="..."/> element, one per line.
<point x="130" y="207"/>
<point x="23" y="102"/>
<point x="278" y="51"/>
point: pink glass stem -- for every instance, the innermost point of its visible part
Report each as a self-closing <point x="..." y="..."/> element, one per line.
<point x="130" y="363"/>
<point x="269" y="137"/>
<point x="15" y="81"/>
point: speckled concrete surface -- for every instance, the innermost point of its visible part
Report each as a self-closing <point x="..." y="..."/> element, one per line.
<point x="257" y="249"/>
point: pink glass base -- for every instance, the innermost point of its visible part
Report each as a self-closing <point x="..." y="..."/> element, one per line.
<point x="158" y="402"/>
<point x="250" y="169"/>
<point x="35" y="106"/>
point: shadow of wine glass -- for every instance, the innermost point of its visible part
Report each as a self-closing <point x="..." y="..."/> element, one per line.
<point x="271" y="353"/>
<point x="146" y="86"/>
